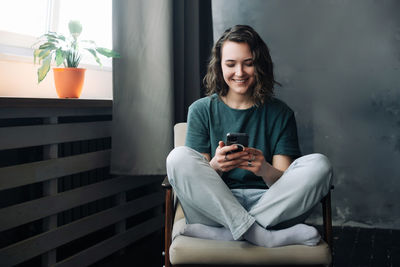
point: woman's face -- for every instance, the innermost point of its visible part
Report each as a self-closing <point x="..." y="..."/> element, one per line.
<point x="237" y="67"/>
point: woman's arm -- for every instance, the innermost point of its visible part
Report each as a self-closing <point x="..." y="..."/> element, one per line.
<point x="281" y="162"/>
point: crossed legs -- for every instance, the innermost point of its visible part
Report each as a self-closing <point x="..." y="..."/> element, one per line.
<point x="212" y="211"/>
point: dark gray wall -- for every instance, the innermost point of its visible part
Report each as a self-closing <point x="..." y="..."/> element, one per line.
<point x="339" y="64"/>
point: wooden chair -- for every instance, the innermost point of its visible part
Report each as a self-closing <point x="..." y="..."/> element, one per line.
<point x="189" y="251"/>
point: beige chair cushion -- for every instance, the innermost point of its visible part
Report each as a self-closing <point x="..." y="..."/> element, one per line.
<point x="188" y="250"/>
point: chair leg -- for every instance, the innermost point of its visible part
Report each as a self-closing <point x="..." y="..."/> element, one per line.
<point x="169" y="211"/>
<point x="327" y="218"/>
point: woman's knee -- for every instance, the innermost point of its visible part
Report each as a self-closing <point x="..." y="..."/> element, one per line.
<point x="174" y="161"/>
<point x="176" y="156"/>
<point x="323" y="169"/>
<point x="319" y="169"/>
<point x="322" y="164"/>
<point x="178" y="161"/>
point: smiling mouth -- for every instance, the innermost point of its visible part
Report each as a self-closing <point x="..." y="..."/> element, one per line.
<point x="240" y="80"/>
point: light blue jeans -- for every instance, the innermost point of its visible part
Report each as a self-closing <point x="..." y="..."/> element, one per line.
<point x="206" y="199"/>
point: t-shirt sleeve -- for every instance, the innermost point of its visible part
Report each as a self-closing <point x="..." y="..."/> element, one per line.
<point x="198" y="134"/>
<point x="286" y="139"/>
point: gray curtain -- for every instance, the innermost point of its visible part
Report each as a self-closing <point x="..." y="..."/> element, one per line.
<point x="143" y="86"/>
<point x="193" y="40"/>
<point x="158" y="76"/>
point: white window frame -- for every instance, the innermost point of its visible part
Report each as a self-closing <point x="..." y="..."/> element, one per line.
<point x="18" y="47"/>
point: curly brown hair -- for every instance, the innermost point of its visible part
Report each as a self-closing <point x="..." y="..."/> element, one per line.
<point x="264" y="74"/>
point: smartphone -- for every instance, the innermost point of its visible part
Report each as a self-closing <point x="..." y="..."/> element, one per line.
<point x="240" y="139"/>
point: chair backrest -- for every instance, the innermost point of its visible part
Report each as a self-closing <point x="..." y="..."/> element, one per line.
<point x="180" y="134"/>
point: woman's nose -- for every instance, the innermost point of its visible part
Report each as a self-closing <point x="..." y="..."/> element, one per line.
<point x="239" y="70"/>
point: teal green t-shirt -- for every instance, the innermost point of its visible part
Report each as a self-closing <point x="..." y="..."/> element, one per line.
<point x="271" y="129"/>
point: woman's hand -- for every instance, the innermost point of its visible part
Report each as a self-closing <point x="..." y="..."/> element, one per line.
<point x="256" y="163"/>
<point x="225" y="162"/>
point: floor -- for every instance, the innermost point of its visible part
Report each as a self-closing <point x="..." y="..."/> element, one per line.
<point x="353" y="247"/>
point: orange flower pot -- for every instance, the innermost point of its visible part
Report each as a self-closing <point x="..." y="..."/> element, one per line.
<point x="69" y="81"/>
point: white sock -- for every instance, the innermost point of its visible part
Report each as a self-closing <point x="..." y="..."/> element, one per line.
<point x="207" y="232"/>
<point x="299" y="234"/>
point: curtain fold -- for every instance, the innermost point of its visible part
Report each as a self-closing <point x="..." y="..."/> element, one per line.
<point x="193" y="40"/>
<point x="162" y="45"/>
<point x="142" y="86"/>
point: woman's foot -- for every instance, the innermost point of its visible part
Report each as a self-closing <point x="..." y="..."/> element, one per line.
<point x="299" y="234"/>
<point x="207" y="232"/>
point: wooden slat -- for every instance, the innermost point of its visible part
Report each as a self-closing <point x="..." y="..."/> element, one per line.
<point x="26" y="136"/>
<point x="23" y="174"/>
<point x="27" y="249"/>
<point x="49" y="187"/>
<point x="12" y="107"/>
<point x="20" y="102"/>
<point x="19" y="214"/>
<point x="113" y="244"/>
<point x="43" y="112"/>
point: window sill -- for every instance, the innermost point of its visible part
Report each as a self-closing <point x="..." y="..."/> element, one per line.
<point x="17" y="102"/>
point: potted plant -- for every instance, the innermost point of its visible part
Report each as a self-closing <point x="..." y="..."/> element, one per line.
<point x="67" y="51"/>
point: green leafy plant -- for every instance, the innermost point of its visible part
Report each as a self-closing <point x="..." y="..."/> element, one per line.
<point x="66" y="50"/>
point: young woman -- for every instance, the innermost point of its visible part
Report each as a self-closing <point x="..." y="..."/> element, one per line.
<point x="263" y="193"/>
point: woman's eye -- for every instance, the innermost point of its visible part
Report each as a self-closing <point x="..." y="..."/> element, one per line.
<point x="249" y="64"/>
<point x="230" y="65"/>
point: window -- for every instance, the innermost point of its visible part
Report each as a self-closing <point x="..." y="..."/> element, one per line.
<point x="22" y="21"/>
<point x="12" y="14"/>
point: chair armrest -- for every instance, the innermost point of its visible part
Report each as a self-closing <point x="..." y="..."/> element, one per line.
<point x="165" y="183"/>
